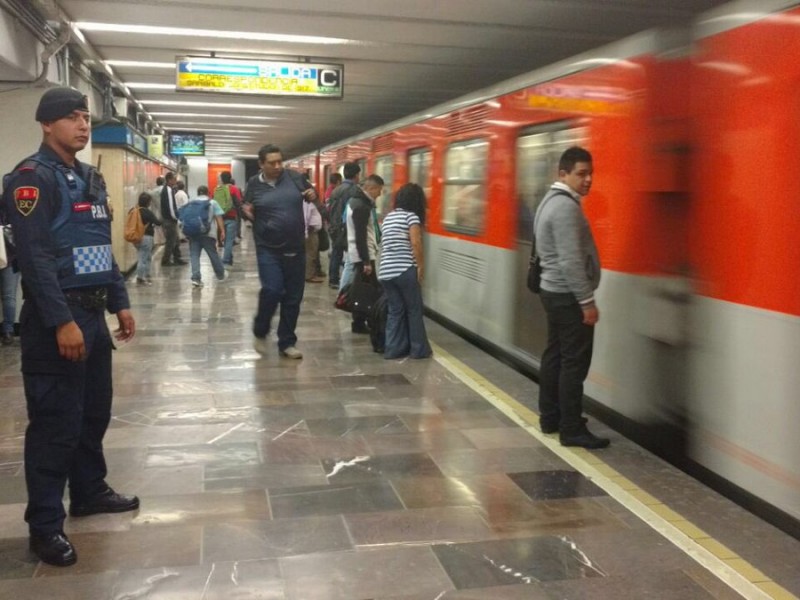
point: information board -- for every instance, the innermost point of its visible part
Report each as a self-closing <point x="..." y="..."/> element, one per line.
<point x="271" y="78"/>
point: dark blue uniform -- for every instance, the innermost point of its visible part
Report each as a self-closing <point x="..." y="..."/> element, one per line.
<point x="63" y="250"/>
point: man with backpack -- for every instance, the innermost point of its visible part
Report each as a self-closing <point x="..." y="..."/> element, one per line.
<point x="224" y="197"/>
<point x="202" y="224"/>
<point x="337" y="229"/>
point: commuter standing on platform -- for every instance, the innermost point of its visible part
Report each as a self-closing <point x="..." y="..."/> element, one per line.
<point x="401" y="274"/>
<point x="144" y="248"/>
<point x="9" y="281"/>
<point x="169" y="224"/>
<point x="59" y="213"/>
<point x="337" y="228"/>
<point x="363" y="237"/>
<point x="570" y="274"/>
<point x="274" y="202"/>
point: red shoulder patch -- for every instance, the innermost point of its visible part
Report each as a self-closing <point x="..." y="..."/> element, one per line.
<point x="26" y="198"/>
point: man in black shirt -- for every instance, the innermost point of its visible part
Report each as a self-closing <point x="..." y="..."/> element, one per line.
<point x="274" y="202"/>
<point x="169" y="223"/>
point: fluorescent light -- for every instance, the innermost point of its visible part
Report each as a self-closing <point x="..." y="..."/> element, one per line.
<point x="233" y="125"/>
<point x="215" y="104"/>
<point x="141" y="63"/>
<point x="151" y="86"/>
<point x="212" y="33"/>
<point x="213" y="116"/>
<point x="204" y="129"/>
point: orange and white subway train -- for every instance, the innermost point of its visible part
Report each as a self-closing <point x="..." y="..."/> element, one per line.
<point x="695" y="207"/>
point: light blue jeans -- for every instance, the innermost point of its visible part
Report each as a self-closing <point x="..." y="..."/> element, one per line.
<point x="209" y="244"/>
<point x="230" y="238"/>
<point x="145" y="250"/>
<point x="347" y="273"/>
<point x="9" y="281"/>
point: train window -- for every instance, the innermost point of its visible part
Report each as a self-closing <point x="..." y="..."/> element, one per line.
<point x="419" y="169"/>
<point x="362" y="164"/>
<point x="384" y="167"/>
<point x="464" y="204"/>
<point x="326" y="175"/>
<point x="537" y="168"/>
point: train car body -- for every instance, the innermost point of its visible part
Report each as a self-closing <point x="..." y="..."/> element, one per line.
<point x="693" y="135"/>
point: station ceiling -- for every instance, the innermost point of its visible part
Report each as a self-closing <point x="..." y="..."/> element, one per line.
<point x="399" y="57"/>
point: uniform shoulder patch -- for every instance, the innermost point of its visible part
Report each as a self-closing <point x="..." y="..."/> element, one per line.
<point x="26" y="198"/>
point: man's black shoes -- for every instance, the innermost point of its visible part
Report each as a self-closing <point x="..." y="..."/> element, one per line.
<point x="585" y="439"/>
<point x="107" y="502"/>
<point x="53" y="549"/>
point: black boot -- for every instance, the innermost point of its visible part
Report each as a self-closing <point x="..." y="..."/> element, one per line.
<point x="53" y="549"/>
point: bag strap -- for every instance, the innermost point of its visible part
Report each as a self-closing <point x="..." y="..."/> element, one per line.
<point x="539" y="212"/>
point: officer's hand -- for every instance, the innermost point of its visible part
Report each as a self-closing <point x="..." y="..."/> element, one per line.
<point x="70" y="341"/>
<point x="591" y="315"/>
<point x="127" y="326"/>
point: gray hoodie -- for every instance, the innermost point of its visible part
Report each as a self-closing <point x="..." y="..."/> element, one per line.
<point x="564" y="243"/>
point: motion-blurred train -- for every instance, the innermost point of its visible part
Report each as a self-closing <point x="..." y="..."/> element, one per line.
<point x="696" y="210"/>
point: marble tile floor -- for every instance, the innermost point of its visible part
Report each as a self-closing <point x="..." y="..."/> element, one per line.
<point x="341" y="476"/>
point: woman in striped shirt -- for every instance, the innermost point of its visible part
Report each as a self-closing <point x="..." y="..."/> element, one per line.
<point x="401" y="271"/>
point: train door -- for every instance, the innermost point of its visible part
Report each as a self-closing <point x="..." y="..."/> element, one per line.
<point x="384" y="168"/>
<point x="538" y="151"/>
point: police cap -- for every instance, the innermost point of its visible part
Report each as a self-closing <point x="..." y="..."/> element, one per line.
<point x="58" y="102"/>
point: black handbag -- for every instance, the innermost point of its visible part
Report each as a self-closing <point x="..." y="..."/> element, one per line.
<point x="534" y="271"/>
<point x="364" y="292"/>
<point x="324" y="240"/>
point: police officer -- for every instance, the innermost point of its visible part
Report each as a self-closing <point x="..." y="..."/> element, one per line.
<point x="59" y="212"/>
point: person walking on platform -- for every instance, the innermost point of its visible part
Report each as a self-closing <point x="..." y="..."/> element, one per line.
<point x="169" y="223"/>
<point x="570" y="274"/>
<point x="229" y="198"/>
<point x="274" y="203"/>
<point x="205" y="232"/>
<point x="59" y="214"/>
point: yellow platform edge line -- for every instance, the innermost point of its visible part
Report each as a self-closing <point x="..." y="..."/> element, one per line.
<point x="730" y="568"/>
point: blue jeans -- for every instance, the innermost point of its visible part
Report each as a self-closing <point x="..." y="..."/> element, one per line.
<point x="337" y="259"/>
<point x="405" y="328"/>
<point x="282" y="281"/>
<point x="230" y="238"/>
<point x="347" y="274"/>
<point x="8" y="282"/>
<point x="209" y="244"/>
<point x="145" y="251"/>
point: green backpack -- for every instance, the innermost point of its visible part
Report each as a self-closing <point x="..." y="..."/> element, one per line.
<point x="222" y="194"/>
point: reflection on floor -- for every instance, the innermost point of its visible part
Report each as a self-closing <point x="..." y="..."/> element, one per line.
<point x="339" y="476"/>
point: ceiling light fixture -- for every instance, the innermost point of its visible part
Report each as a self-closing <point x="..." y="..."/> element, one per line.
<point x="141" y="63"/>
<point x="211" y="123"/>
<point x="215" y="104"/>
<point x="151" y="86"/>
<point x="211" y="33"/>
<point x="211" y="116"/>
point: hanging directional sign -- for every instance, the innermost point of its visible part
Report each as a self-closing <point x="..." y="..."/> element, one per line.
<point x="273" y="78"/>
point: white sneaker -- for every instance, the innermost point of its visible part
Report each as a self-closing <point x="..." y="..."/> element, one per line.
<point x="291" y="352"/>
<point x="260" y="345"/>
<point x="196" y="283"/>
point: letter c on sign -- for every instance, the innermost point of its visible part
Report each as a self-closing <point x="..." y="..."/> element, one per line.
<point x="329" y="78"/>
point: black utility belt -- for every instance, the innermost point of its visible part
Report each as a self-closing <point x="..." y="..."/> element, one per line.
<point x="88" y="298"/>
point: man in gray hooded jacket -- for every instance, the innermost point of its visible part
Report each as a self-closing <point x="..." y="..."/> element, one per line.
<point x="570" y="274"/>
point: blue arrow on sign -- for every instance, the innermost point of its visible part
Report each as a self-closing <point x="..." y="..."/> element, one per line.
<point x="220" y="69"/>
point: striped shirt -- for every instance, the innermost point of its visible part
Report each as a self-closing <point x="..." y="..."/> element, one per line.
<point x="396" y="254"/>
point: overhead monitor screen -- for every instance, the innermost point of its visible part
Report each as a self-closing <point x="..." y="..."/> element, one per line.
<point x="187" y="143"/>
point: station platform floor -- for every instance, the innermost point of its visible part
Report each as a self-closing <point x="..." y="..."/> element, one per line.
<point x="344" y="476"/>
